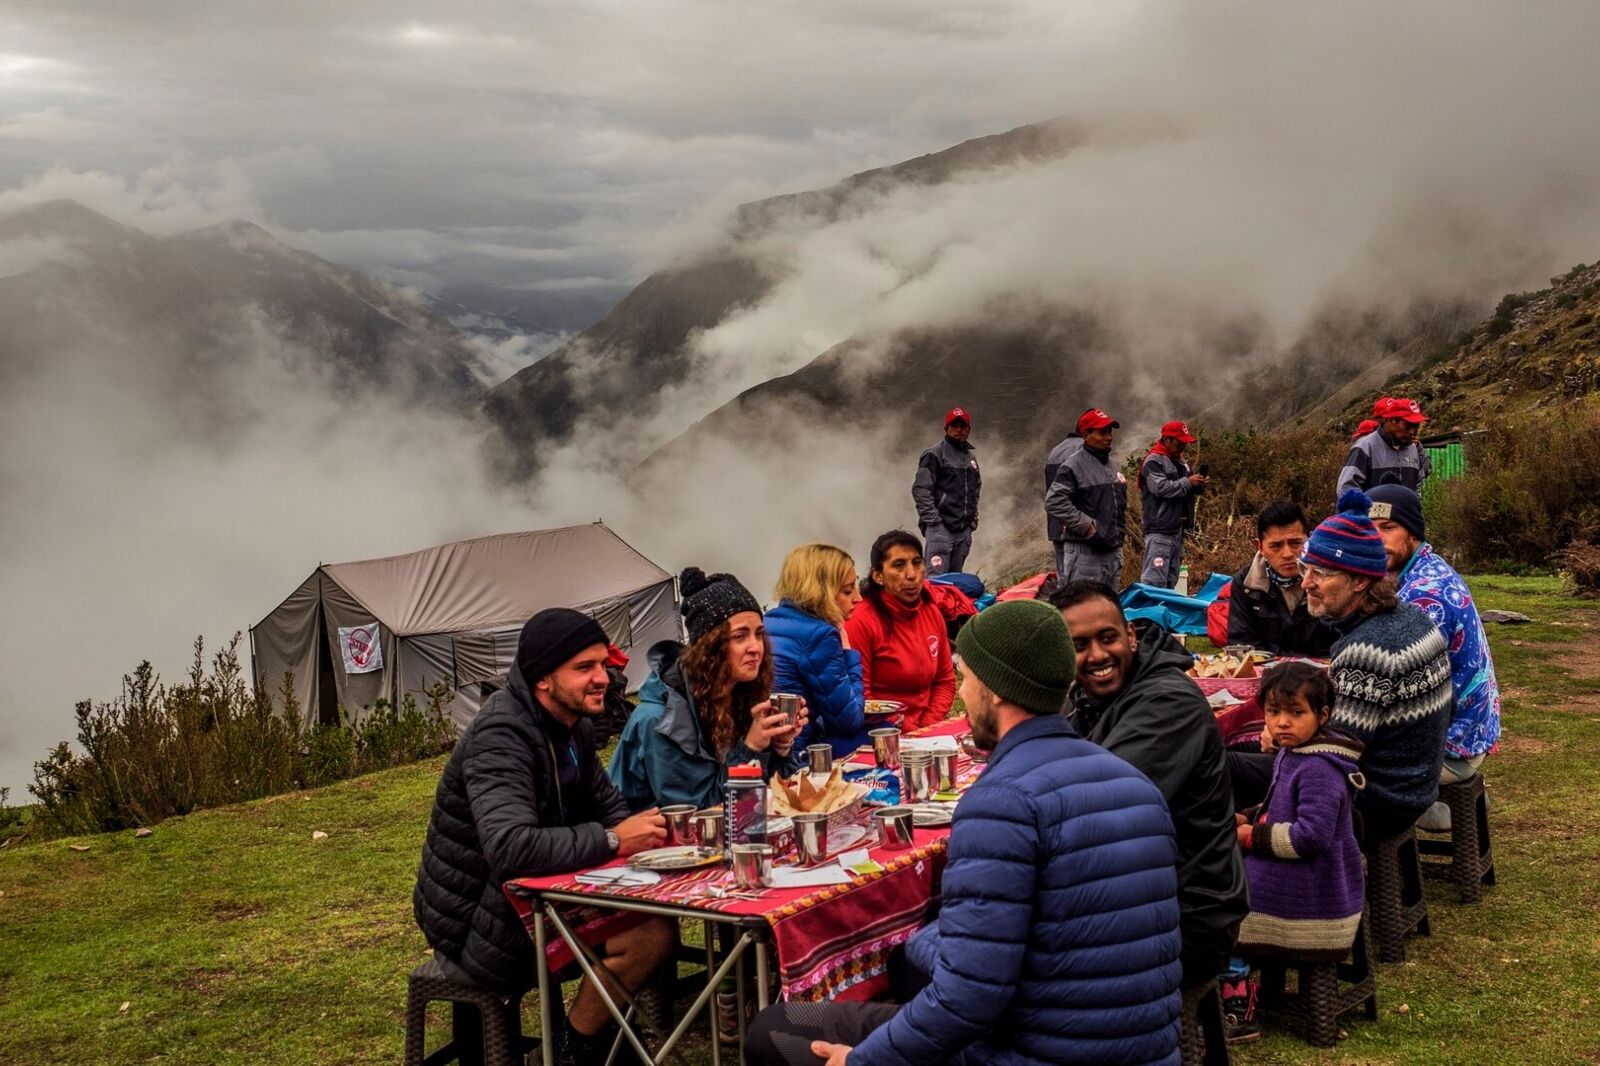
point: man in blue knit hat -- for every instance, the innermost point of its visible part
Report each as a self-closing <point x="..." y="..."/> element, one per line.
<point x="1390" y="669"/>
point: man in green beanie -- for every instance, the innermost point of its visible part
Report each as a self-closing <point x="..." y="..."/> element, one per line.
<point x="1012" y="978"/>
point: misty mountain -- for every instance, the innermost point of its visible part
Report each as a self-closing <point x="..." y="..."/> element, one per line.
<point x="1537" y="349"/>
<point x="619" y="366"/>
<point x="182" y="310"/>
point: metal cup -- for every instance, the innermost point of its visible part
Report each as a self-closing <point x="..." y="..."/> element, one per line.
<point x="752" y="865"/>
<point x="789" y="704"/>
<point x="894" y="827"/>
<point x="820" y="758"/>
<point x="944" y="771"/>
<point x="916" y="772"/>
<point x="886" y="747"/>
<point x="710" y="829"/>
<point x="810" y="838"/>
<point x="680" y="823"/>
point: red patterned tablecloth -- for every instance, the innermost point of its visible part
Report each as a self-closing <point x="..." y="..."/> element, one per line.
<point x="831" y="942"/>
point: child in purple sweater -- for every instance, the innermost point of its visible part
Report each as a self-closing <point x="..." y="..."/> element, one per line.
<point x="1301" y="855"/>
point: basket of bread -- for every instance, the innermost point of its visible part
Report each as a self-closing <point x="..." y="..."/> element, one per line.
<point x="1236" y="669"/>
<point x="839" y="799"/>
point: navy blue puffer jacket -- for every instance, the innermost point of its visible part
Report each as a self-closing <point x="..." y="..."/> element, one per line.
<point x="808" y="659"/>
<point x="1058" y="939"/>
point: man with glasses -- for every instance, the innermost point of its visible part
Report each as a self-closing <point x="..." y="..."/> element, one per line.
<point x="1267" y="607"/>
<point x="1390" y="669"/>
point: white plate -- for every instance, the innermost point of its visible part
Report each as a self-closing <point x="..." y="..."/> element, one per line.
<point x="932" y="815"/>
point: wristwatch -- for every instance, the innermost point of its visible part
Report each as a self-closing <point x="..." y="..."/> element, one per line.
<point x="613" y="842"/>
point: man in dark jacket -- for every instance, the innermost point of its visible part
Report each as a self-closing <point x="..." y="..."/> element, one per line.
<point x="1267" y="606"/>
<point x="1167" y="488"/>
<point x="1390" y="456"/>
<point x="945" y="492"/>
<point x="523" y="795"/>
<point x="1058" y="936"/>
<point x="1085" y="499"/>
<point x="1133" y="697"/>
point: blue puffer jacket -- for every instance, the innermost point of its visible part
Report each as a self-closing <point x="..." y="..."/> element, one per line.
<point x="808" y="659"/>
<point x="1058" y="939"/>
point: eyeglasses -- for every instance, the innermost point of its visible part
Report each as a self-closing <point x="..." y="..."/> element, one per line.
<point x="1320" y="573"/>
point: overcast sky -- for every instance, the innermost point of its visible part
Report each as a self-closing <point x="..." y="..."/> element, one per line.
<point x="523" y="144"/>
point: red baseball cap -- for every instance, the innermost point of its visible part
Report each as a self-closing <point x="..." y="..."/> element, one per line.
<point x="958" y="414"/>
<point x="1399" y="407"/>
<point x="615" y="656"/>
<point x="1094" y="418"/>
<point x="1367" y="426"/>
<point x="1379" y="404"/>
<point x="1179" y="430"/>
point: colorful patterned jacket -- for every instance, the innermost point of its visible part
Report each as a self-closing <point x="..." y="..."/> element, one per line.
<point x="1432" y="584"/>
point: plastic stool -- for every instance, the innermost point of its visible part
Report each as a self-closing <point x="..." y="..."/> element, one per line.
<point x="1318" y="1001"/>
<point x="485" y="1030"/>
<point x="1394" y="894"/>
<point x="1470" y="861"/>
<point x="1202" y="1041"/>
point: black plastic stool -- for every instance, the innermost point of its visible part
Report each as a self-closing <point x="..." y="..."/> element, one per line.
<point x="485" y="1030"/>
<point x="1469" y="862"/>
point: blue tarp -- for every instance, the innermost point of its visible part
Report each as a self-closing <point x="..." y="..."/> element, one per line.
<point x="1170" y="610"/>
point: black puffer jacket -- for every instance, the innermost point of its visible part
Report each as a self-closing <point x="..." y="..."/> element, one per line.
<point x="1162" y="725"/>
<point x="1259" y="615"/>
<point x="501" y="813"/>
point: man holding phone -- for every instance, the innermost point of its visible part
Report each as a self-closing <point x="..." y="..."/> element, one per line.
<point x="1167" y="489"/>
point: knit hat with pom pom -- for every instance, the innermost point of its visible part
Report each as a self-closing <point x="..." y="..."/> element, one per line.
<point x="710" y="601"/>
<point x="1348" y="541"/>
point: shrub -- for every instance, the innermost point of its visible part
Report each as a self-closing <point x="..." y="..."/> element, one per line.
<point x="1529" y="491"/>
<point x="1580" y="567"/>
<point x="156" y="751"/>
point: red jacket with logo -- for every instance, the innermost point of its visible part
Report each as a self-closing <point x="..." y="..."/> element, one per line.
<point x="905" y="656"/>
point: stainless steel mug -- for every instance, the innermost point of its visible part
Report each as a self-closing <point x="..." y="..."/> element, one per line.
<point x="944" y="771"/>
<point x="752" y="865"/>
<point x="710" y="829"/>
<point x="894" y="827"/>
<point x="820" y="759"/>
<point x="789" y="704"/>
<point x="916" y="775"/>
<point x="811" y="838"/>
<point x="680" y="823"/>
<point x="886" y="747"/>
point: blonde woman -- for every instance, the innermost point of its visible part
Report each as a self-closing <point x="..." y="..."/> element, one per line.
<point x="817" y="590"/>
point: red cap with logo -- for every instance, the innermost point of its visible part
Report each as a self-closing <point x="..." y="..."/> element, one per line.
<point x="1094" y="418"/>
<point x="1399" y="407"/>
<point x="1180" y="430"/>
<point x="958" y="414"/>
<point x="1367" y="426"/>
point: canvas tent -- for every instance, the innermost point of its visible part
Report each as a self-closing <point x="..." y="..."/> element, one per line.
<point x="353" y="633"/>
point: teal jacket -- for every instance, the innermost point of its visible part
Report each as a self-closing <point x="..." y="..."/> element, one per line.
<point x="662" y="757"/>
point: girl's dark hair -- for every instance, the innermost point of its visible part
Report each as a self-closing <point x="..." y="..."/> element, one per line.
<point x="1304" y="679"/>
<point x="705" y="672"/>
<point x="871" y="591"/>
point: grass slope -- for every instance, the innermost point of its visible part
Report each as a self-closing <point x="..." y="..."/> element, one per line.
<point x="234" y="938"/>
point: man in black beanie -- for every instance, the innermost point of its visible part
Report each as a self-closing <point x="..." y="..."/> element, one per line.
<point x="524" y="795"/>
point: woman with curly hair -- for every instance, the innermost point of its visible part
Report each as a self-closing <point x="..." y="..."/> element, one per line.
<point x="705" y="707"/>
<point x="811" y="656"/>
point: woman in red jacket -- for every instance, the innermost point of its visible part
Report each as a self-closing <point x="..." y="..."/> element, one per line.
<point x="901" y="634"/>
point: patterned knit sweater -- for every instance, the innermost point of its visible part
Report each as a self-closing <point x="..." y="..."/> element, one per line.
<point x="1392" y="692"/>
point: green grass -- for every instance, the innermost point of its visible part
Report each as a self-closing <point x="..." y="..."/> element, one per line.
<point x="235" y="938"/>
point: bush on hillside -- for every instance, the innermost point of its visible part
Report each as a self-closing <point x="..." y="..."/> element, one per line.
<point x="1580" y="566"/>
<point x="1531" y="489"/>
<point x="157" y="750"/>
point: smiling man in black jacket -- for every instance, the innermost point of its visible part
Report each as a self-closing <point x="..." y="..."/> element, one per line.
<point x="1133" y="698"/>
<point x="524" y="795"/>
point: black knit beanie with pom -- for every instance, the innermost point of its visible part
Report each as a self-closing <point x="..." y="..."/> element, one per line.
<point x="710" y="601"/>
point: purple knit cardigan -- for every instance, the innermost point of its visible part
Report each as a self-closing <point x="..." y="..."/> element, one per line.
<point x="1304" y="865"/>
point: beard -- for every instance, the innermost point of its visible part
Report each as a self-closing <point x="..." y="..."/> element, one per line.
<point x="575" y="700"/>
<point x="985" y="722"/>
